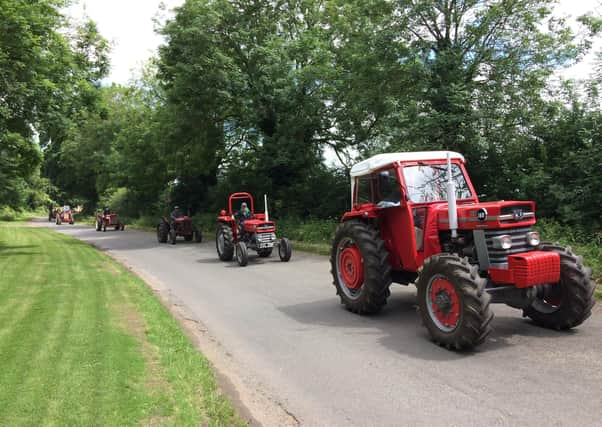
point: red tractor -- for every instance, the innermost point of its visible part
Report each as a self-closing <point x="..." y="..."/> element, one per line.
<point x="64" y="215"/>
<point x="236" y="235"/>
<point x="171" y="228"/>
<point x="416" y="217"/>
<point x="109" y="220"/>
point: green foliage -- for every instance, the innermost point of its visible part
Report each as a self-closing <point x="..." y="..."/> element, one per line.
<point x="48" y="76"/>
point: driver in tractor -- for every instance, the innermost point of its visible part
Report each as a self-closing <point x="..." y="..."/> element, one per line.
<point x="242" y="215"/>
<point x="175" y="214"/>
<point x="106" y="211"/>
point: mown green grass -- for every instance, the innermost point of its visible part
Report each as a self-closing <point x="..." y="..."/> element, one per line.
<point x="85" y="342"/>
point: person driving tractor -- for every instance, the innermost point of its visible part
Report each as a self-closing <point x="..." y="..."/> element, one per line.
<point x="176" y="213"/>
<point x="106" y="211"/>
<point x="243" y="214"/>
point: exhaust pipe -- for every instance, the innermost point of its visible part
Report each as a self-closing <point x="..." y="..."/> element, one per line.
<point x="265" y="203"/>
<point x="452" y="209"/>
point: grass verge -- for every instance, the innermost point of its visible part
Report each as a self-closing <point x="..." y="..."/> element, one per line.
<point x="85" y="342"/>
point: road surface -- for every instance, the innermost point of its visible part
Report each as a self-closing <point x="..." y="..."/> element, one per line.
<point x="287" y="338"/>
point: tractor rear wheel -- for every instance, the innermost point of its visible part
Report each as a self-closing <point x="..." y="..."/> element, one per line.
<point x="568" y="303"/>
<point x="162" y="232"/>
<point x="97" y="225"/>
<point x="224" y="242"/>
<point x="360" y="267"/>
<point x="242" y="255"/>
<point x="285" y="250"/>
<point x="453" y="302"/>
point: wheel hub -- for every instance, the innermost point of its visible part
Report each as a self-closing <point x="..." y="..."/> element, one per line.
<point x="444" y="303"/>
<point x="351" y="267"/>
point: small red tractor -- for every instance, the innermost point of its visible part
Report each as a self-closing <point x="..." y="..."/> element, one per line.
<point x="170" y="228"/>
<point x="415" y="217"/>
<point x="235" y="236"/>
<point x="64" y="215"/>
<point x="109" y="220"/>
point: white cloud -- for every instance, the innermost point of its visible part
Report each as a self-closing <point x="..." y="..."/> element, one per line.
<point x="129" y="26"/>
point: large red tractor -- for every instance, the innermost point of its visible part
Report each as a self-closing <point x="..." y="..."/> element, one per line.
<point x="171" y="228"/>
<point x="236" y="236"/>
<point x="416" y="217"/>
<point x="64" y="215"/>
<point x="109" y="220"/>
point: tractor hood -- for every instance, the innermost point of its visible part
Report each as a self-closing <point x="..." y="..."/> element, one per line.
<point x="259" y="225"/>
<point x="502" y="214"/>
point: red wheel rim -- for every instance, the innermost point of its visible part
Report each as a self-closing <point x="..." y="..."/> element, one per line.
<point x="445" y="304"/>
<point x="351" y="267"/>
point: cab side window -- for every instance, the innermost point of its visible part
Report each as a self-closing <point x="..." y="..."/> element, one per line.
<point x="364" y="189"/>
<point x="388" y="189"/>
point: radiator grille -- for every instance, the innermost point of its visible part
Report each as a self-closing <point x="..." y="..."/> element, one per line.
<point x="499" y="257"/>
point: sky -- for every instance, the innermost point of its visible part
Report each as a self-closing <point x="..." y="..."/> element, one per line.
<point x="129" y="26"/>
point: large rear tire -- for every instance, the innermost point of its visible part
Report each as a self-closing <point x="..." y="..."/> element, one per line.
<point x="97" y="225"/>
<point x="360" y="267"/>
<point x="453" y="302"/>
<point x="162" y="232"/>
<point x="224" y="242"/>
<point x="242" y="255"/>
<point x="568" y="303"/>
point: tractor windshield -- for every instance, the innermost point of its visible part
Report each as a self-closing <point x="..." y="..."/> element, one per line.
<point x="427" y="183"/>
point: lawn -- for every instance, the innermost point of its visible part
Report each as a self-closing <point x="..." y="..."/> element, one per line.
<point x="85" y="342"/>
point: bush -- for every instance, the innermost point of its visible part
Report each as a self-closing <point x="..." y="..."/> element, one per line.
<point x="8" y="214"/>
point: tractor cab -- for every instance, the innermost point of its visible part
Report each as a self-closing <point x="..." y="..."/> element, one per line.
<point x="415" y="218"/>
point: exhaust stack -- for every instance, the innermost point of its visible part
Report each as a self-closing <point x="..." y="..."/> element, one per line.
<point x="452" y="209"/>
<point x="265" y="203"/>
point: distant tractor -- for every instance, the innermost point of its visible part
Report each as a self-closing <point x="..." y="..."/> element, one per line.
<point x="415" y="217"/>
<point x="108" y="220"/>
<point x="170" y="228"/>
<point x="236" y="235"/>
<point x="64" y="215"/>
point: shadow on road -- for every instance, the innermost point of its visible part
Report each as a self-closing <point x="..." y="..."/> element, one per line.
<point x="400" y="327"/>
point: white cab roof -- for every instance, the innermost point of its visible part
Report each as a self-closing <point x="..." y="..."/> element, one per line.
<point x="380" y="160"/>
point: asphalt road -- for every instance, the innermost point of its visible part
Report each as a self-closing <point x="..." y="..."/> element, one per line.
<point x="283" y="327"/>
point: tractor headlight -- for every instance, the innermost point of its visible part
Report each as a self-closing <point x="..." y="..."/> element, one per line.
<point x="502" y="242"/>
<point x="533" y="238"/>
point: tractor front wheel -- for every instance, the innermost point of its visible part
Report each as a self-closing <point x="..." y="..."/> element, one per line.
<point x="224" y="242"/>
<point x="453" y="303"/>
<point x="198" y="236"/>
<point x="360" y="267"/>
<point x="568" y="303"/>
<point x="242" y="255"/>
<point x="162" y="232"/>
<point x="173" y="235"/>
<point x="285" y="250"/>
